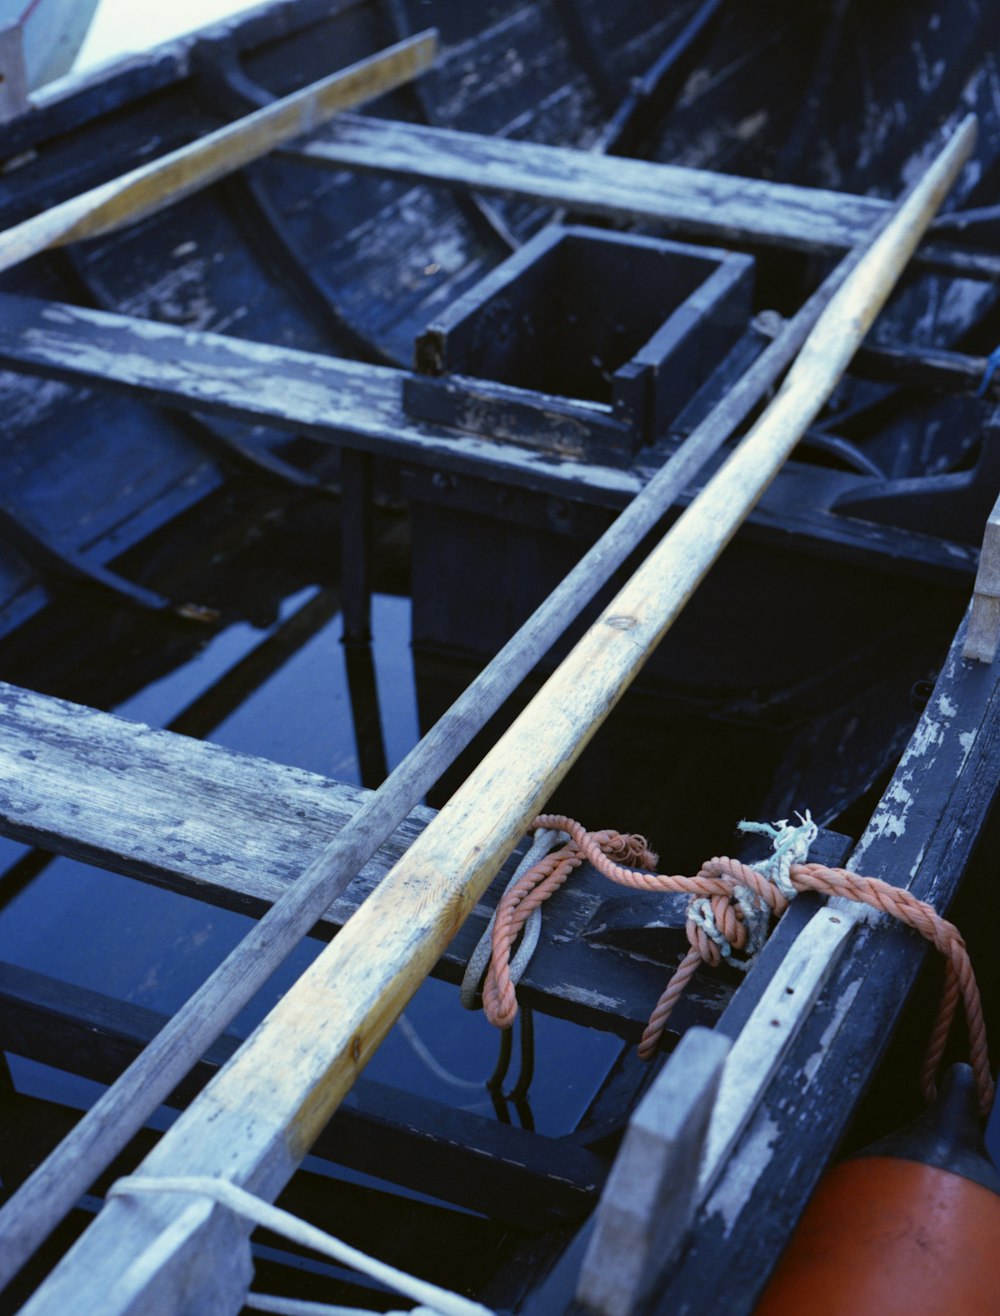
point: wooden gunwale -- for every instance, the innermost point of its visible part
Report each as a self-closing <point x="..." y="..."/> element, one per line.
<point x="921" y="834"/>
<point x="347" y="1000"/>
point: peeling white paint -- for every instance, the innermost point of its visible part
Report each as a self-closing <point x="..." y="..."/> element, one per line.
<point x="25" y="402"/>
<point x="744" y="1171"/>
<point x="840" y="1011"/>
<point x="360" y="399"/>
<point x="915" y="866"/>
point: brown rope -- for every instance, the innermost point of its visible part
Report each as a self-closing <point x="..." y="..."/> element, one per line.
<point x="533" y="889"/>
<point x="614" y="855"/>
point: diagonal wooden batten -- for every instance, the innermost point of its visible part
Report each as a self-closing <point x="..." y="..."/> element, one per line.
<point x="257" y="1119"/>
<point x="153" y="186"/>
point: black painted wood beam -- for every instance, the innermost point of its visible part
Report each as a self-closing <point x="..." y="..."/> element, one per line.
<point x="353" y="405"/>
<point x="470" y="1160"/>
<point x="723" y="207"/>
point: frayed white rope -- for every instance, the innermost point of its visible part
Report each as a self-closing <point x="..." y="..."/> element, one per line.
<point x="439" y="1302"/>
<point x="790" y="842"/>
<point x="545" y="840"/>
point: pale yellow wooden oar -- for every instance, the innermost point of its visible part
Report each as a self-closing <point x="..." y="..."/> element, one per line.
<point x="160" y="183"/>
<point x="259" y="1116"/>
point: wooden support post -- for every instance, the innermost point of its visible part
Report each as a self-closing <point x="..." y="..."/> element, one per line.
<point x="178" y="174"/>
<point x="258" y="1118"/>
<point x="357" y="509"/>
<point x="649" y="1200"/>
<point x="13" y="73"/>
<point x="983" y="636"/>
<point x="356" y="515"/>
<point x="366" y="712"/>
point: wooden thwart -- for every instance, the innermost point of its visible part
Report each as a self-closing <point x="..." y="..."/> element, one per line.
<point x="237" y="831"/>
<point x="475" y="1161"/>
<point x="724" y="207"/>
<point x="360" y="406"/>
<point x="258" y="1118"/>
<point x="151" y="187"/>
<point x="720" y="205"/>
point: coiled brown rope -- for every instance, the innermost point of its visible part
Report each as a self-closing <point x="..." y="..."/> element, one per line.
<point x="533" y="889"/>
<point x="613" y="854"/>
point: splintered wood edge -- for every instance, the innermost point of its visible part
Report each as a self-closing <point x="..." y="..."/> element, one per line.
<point x="983" y="636"/>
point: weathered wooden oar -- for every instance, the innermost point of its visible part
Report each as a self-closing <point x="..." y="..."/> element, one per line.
<point x="258" y="1118"/>
<point x="178" y="174"/>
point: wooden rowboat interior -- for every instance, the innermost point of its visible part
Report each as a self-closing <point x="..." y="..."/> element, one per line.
<point x="285" y="462"/>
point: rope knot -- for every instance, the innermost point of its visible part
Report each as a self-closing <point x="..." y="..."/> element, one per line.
<point x="740" y="919"/>
<point x="627" y="848"/>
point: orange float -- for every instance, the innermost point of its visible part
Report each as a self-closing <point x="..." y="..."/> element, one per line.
<point x="912" y="1225"/>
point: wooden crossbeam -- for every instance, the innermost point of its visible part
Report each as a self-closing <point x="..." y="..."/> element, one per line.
<point x="258" y="1118"/>
<point x="357" y="405"/>
<point x="474" y="1161"/>
<point x="188" y="815"/>
<point x="725" y="207"/>
<point x="151" y="187"/>
<point x="722" y="206"/>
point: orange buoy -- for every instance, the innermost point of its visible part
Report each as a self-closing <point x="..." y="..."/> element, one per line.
<point x="909" y="1226"/>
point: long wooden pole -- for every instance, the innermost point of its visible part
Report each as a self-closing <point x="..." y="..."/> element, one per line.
<point x="153" y="186"/>
<point x="259" y="1116"/>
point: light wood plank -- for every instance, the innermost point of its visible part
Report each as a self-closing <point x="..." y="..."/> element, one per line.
<point x="258" y="1118"/>
<point x="983" y="637"/>
<point x="151" y="187"/>
<point x="770" y="1031"/>
<point x="650" y="1197"/>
